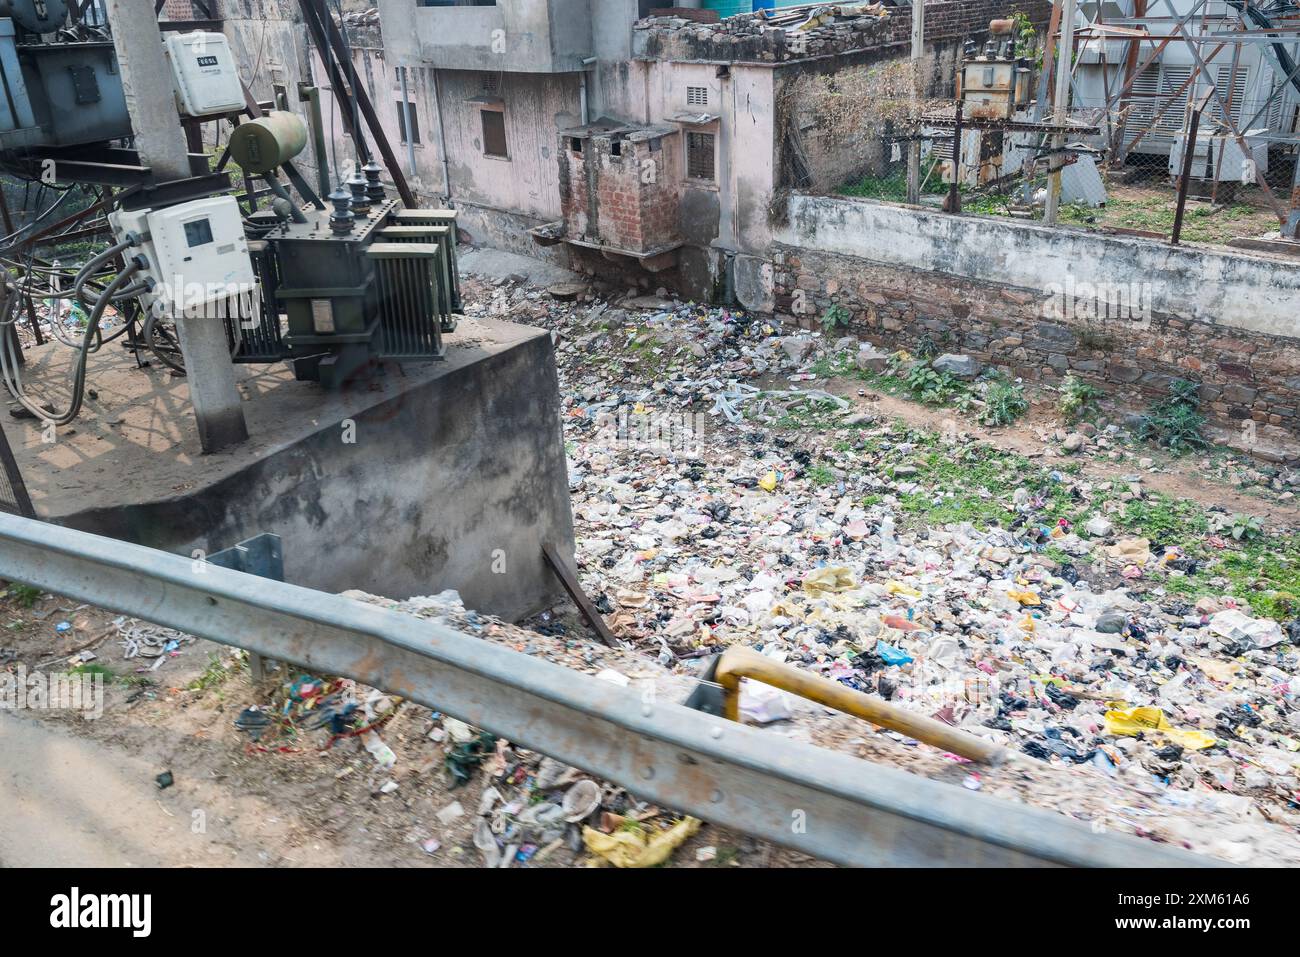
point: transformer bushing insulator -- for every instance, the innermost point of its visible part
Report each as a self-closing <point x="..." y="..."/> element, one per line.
<point x="341" y="218"/>
<point x="374" y="188"/>
<point x="360" y="201"/>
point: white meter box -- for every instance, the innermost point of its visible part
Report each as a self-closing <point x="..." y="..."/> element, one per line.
<point x="207" y="82"/>
<point x="198" y="256"/>
<point x="201" y="253"/>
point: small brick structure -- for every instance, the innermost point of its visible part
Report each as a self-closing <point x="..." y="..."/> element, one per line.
<point x="620" y="187"/>
<point x="186" y="10"/>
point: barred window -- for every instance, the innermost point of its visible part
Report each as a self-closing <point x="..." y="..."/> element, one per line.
<point x="699" y="155"/>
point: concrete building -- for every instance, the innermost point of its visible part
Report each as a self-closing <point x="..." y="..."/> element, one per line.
<point x="593" y="134"/>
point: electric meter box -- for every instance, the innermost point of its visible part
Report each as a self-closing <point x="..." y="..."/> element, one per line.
<point x="207" y="82"/>
<point x="197" y="252"/>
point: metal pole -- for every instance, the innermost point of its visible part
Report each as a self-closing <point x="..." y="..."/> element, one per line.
<point x="27" y="298"/>
<point x="953" y="202"/>
<point x="1061" y="102"/>
<point x="311" y="96"/>
<point x="1189" y="151"/>
<point x="918" y="92"/>
<point x="409" y="109"/>
<point x="149" y="86"/>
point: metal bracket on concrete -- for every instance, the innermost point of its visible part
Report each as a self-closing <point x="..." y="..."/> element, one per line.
<point x="824" y="803"/>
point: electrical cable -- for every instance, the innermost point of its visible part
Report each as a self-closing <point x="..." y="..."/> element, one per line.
<point x="9" y="361"/>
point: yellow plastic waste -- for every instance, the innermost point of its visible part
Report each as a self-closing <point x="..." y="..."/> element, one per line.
<point x="897" y="588"/>
<point x="768" y="482"/>
<point x="830" y="579"/>
<point x="637" y="848"/>
<point x="1026" y="598"/>
<point x="1138" y="720"/>
<point x="1027" y="624"/>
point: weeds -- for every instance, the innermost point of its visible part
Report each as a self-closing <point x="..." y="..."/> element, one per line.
<point x="25" y="596"/>
<point x="835" y="317"/>
<point x="215" y="674"/>
<point x="1004" y="402"/>
<point x="1242" y="528"/>
<point x="1175" y="422"/>
<point x="929" y="385"/>
<point x="1079" y="399"/>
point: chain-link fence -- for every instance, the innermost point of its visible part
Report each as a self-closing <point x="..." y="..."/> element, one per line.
<point x="1195" y="134"/>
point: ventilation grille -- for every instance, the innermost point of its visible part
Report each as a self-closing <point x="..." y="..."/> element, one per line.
<point x="697" y="96"/>
<point x="256" y="325"/>
<point x="406" y="284"/>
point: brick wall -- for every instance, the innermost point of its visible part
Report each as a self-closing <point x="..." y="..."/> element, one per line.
<point x="621" y="190"/>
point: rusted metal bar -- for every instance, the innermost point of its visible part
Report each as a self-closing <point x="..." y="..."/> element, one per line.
<point x="571" y="585"/>
<point x="1189" y="155"/>
<point x="738" y="662"/>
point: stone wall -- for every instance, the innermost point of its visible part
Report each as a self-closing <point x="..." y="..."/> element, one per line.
<point x="1237" y="332"/>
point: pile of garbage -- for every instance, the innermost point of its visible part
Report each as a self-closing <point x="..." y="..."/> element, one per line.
<point x="705" y="517"/>
<point x="1088" y="747"/>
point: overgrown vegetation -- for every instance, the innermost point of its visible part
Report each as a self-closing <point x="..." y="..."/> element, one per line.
<point x="1079" y="399"/>
<point x="1004" y="402"/>
<point x="1175" y="422"/>
<point x="1222" y="554"/>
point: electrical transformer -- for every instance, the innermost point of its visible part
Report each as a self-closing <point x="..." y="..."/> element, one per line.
<point x="349" y="287"/>
<point x="63" y="87"/>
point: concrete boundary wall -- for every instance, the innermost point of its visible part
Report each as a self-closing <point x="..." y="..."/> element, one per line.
<point x="1232" y="290"/>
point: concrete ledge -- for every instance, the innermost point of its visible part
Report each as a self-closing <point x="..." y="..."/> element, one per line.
<point x="454" y="475"/>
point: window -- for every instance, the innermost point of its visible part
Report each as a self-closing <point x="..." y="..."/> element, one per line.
<point x="697" y="96"/>
<point x="405" y="110"/>
<point x="699" y="156"/>
<point x="494" y="133"/>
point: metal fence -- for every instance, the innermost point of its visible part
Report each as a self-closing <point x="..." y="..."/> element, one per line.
<point x="1187" y="125"/>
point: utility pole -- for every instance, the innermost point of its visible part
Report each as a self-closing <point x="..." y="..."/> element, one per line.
<point x="918" y="93"/>
<point x="160" y="140"/>
<point x="1065" y="54"/>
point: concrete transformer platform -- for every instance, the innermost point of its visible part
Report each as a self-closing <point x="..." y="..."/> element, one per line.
<point x="437" y="475"/>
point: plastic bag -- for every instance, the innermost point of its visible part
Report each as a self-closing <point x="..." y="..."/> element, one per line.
<point x="1135" y="721"/>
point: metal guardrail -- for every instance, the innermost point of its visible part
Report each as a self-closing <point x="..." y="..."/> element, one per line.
<point x="826" y="804"/>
